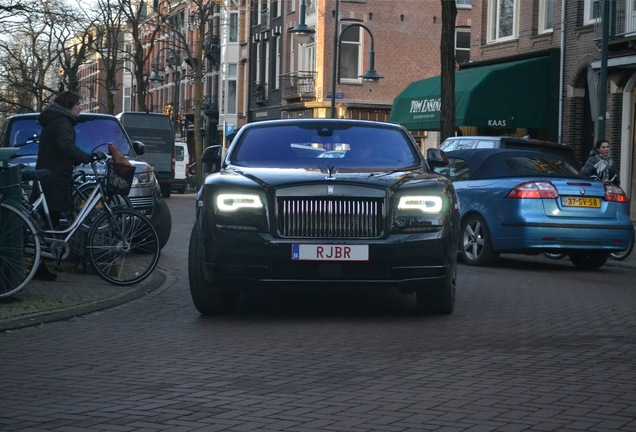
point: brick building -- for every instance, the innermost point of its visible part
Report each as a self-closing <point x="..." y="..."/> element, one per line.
<point x="406" y="39"/>
<point x="573" y="29"/>
<point x="566" y="37"/>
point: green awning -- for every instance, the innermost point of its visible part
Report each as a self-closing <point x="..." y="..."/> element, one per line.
<point x="511" y="95"/>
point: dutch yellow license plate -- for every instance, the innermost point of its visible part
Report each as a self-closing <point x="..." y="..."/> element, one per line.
<point x="582" y="202"/>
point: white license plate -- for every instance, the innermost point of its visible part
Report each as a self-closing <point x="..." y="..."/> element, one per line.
<point x="317" y="252"/>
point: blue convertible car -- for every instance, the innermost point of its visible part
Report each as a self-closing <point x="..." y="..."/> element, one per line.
<point x="528" y="202"/>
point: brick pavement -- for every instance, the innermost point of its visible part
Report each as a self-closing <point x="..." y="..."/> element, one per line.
<point x="75" y="294"/>
<point x="71" y="294"/>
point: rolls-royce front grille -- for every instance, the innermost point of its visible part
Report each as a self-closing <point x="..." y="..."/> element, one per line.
<point x="340" y="218"/>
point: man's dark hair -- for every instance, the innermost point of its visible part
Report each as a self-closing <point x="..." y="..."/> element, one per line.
<point x="68" y="99"/>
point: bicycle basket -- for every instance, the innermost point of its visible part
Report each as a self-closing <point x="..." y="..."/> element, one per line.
<point x="119" y="178"/>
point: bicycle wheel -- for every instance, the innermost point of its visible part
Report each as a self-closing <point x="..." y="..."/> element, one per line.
<point x="80" y="196"/>
<point x="19" y="250"/>
<point x="123" y="248"/>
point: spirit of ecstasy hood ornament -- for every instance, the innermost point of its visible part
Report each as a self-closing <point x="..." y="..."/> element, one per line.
<point x="331" y="170"/>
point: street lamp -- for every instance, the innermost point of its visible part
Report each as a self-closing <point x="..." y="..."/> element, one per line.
<point x="302" y="31"/>
<point x="370" y="77"/>
<point x="156" y="80"/>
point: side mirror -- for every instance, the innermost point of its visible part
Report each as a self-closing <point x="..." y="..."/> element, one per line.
<point x="140" y="148"/>
<point x="436" y="157"/>
<point x="211" y="157"/>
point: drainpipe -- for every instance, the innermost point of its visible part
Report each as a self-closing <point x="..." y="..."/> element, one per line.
<point x="561" y="73"/>
<point x="602" y="93"/>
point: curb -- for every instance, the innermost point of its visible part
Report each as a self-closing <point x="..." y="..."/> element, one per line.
<point x="56" y="310"/>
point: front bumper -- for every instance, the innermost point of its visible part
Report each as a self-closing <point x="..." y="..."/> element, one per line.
<point x="406" y="261"/>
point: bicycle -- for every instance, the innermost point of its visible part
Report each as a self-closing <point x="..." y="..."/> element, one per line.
<point x="19" y="245"/>
<point x="121" y="243"/>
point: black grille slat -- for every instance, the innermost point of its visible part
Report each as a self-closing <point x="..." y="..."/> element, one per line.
<point x="329" y="218"/>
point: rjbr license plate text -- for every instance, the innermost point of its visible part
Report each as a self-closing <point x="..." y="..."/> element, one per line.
<point x="316" y="252"/>
<point x="581" y="202"/>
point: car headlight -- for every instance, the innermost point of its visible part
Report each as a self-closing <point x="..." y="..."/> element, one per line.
<point x="143" y="179"/>
<point x="430" y="204"/>
<point x="233" y="202"/>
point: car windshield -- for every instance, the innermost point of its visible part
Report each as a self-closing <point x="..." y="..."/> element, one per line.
<point x="320" y="144"/>
<point x="89" y="133"/>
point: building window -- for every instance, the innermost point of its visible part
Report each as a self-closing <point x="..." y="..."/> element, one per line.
<point x="231" y="88"/>
<point x="350" y="53"/>
<point x="592" y="11"/>
<point x="462" y="45"/>
<point x="502" y="20"/>
<point x="464" y="4"/>
<point x="278" y="61"/>
<point x="233" y="26"/>
<point x="126" y="99"/>
<point x="274" y="8"/>
<point x="546" y="16"/>
<point x="267" y="63"/>
<point x="259" y="63"/>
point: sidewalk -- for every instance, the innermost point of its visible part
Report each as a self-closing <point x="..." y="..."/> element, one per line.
<point x="71" y="294"/>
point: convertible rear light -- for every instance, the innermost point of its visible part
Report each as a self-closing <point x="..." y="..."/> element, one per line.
<point x="614" y="193"/>
<point x="534" y="190"/>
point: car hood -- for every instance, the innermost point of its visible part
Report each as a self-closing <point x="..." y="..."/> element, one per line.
<point x="29" y="161"/>
<point x="277" y="177"/>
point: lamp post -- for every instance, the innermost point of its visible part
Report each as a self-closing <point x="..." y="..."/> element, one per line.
<point x="156" y="80"/>
<point x="302" y="31"/>
<point x="114" y="89"/>
<point x="370" y="77"/>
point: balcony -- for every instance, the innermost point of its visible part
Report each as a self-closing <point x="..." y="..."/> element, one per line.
<point x="622" y="21"/>
<point x="299" y="86"/>
<point x="264" y="19"/>
<point x="260" y="93"/>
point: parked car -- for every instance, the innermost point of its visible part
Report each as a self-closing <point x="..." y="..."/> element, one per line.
<point x="23" y="131"/>
<point x="478" y="142"/>
<point x="181" y="166"/>
<point x="530" y="202"/>
<point x="274" y="213"/>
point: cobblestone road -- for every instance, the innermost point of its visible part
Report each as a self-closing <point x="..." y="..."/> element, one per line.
<point x="534" y="345"/>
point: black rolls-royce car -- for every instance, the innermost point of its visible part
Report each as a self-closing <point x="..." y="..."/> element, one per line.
<point x="319" y="201"/>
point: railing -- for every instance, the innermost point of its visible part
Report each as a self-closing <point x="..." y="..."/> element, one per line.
<point x="299" y="85"/>
<point x="622" y="19"/>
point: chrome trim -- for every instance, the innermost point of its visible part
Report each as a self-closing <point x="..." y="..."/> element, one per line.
<point x="330" y="218"/>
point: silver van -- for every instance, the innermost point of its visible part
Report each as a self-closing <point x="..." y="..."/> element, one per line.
<point x="156" y="132"/>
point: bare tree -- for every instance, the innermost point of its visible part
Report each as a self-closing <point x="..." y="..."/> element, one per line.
<point x="447" y="55"/>
<point x="108" y="45"/>
<point x="143" y="27"/>
<point x="33" y="59"/>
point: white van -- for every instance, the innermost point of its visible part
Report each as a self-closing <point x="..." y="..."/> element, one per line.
<point x="181" y="165"/>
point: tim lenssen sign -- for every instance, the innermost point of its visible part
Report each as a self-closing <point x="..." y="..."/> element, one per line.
<point x="429" y="108"/>
<point x="426" y="105"/>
